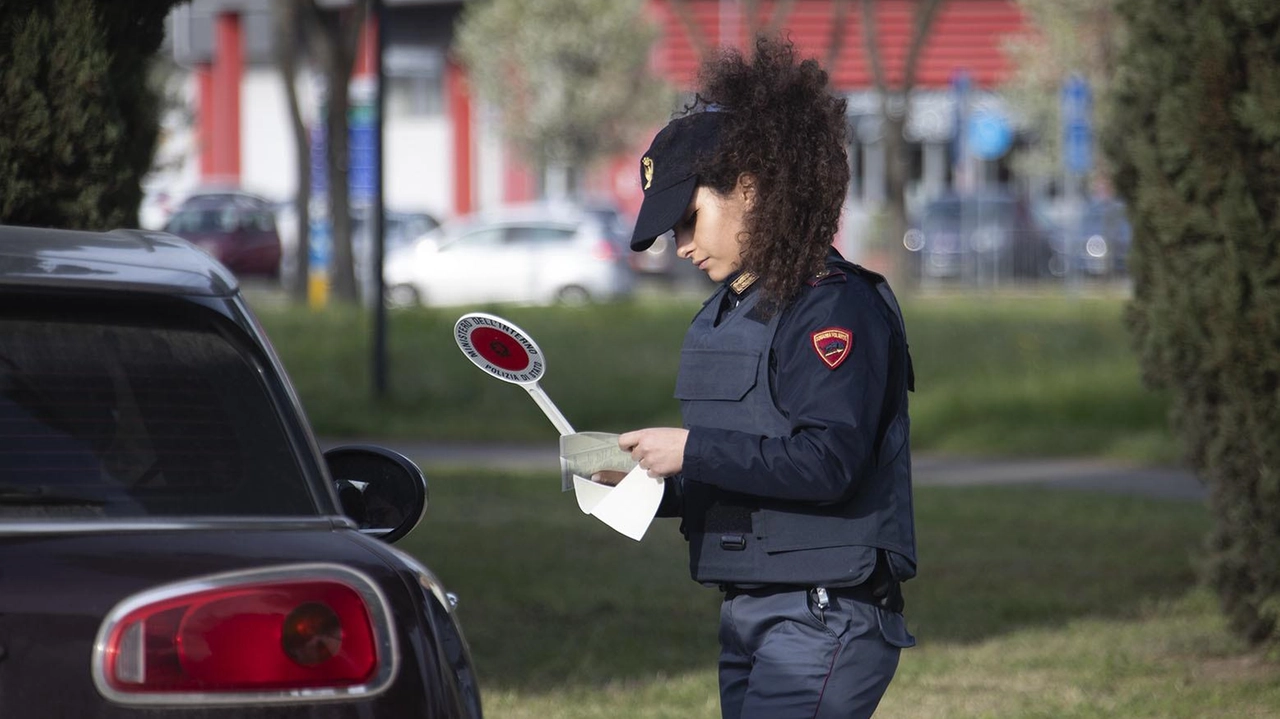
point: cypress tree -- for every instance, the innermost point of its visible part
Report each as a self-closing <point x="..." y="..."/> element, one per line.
<point x="1195" y="138"/>
<point x="78" y="121"/>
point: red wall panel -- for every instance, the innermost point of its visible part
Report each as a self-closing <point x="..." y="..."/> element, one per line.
<point x="967" y="34"/>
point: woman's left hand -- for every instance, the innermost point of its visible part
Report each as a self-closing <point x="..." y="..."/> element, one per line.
<point x="659" y="450"/>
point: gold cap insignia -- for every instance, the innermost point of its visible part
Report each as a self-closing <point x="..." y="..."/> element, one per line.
<point x="647" y="164"/>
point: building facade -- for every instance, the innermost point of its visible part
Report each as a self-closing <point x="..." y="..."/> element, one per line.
<point x="444" y="152"/>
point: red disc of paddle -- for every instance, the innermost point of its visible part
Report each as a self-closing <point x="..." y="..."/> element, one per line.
<point x="499" y="348"/>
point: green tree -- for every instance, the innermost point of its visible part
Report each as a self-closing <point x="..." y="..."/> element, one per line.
<point x="78" y="119"/>
<point x="1195" y="139"/>
<point x="569" y="78"/>
<point x="1081" y="37"/>
<point x="895" y="110"/>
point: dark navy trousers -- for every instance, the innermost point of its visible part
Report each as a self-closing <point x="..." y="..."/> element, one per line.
<point x="783" y="656"/>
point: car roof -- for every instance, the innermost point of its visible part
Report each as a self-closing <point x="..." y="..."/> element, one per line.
<point x="225" y="199"/>
<point x="530" y="212"/>
<point x="561" y="213"/>
<point x="136" y="260"/>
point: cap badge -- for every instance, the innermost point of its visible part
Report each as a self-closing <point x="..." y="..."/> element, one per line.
<point x="647" y="163"/>
<point x="833" y="345"/>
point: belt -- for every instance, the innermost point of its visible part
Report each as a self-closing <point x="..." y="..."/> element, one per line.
<point x="887" y="596"/>
<point x="880" y="591"/>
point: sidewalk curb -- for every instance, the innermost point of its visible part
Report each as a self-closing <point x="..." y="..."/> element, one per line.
<point x="929" y="470"/>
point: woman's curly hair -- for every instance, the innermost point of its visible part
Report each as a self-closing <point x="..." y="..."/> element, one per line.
<point x="784" y="127"/>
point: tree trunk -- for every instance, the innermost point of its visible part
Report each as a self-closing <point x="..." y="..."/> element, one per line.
<point x="697" y="38"/>
<point x="342" y="275"/>
<point x="338" y="35"/>
<point x="287" y="54"/>
<point x="895" y="112"/>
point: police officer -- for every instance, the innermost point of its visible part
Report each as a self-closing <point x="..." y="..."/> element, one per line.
<point x="792" y="472"/>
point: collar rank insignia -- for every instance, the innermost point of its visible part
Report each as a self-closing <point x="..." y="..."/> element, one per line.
<point x="833" y="345"/>
<point x="742" y="282"/>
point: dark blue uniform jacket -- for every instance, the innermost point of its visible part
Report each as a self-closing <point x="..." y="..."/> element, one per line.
<point x="797" y="467"/>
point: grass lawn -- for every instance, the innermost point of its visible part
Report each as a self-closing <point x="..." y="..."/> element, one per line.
<point x="1031" y="603"/>
<point x="997" y="375"/>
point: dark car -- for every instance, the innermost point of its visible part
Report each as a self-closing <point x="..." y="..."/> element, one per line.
<point x="237" y="228"/>
<point x="982" y="238"/>
<point x="399" y="230"/>
<point x="1096" y="241"/>
<point x="657" y="262"/>
<point x="174" y="542"/>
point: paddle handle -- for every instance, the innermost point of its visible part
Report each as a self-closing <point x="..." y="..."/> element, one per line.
<point x="549" y="408"/>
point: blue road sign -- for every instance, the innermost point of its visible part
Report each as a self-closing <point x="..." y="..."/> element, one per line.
<point x="960" y="86"/>
<point x="990" y="135"/>
<point x="319" y="168"/>
<point x="320" y="244"/>
<point x="362" y="175"/>
<point x="1077" y="126"/>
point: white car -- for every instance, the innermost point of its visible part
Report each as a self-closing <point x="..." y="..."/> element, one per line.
<point x="529" y="254"/>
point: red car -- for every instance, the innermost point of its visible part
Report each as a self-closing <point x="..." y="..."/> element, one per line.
<point x="237" y="228"/>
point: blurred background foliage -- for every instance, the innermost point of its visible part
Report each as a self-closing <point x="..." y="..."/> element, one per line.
<point x="1192" y="135"/>
<point x="78" y="119"/>
<point x="997" y="375"/>
<point x="570" y="78"/>
<point x="1195" y="139"/>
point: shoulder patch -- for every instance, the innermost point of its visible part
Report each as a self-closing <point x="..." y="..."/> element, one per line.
<point x="833" y="345"/>
<point x="828" y="276"/>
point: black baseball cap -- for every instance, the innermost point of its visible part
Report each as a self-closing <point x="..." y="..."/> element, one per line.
<point x="667" y="173"/>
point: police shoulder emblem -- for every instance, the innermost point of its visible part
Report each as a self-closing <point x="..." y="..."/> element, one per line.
<point x="833" y="345"/>
<point x="647" y="168"/>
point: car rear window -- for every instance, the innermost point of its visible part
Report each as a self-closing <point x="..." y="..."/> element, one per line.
<point x="540" y="234"/>
<point x="105" y="413"/>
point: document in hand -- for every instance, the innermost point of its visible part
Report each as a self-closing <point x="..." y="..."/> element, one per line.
<point x="630" y="506"/>
<point x="507" y="352"/>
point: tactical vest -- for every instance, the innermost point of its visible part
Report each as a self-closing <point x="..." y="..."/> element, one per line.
<point x="723" y="382"/>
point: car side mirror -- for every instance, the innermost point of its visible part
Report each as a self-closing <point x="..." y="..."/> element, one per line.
<point x="382" y="491"/>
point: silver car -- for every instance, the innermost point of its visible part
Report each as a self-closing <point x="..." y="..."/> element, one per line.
<point x="530" y="254"/>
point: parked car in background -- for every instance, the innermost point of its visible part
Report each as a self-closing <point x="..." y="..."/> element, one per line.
<point x="982" y="238"/>
<point x="400" y="228"/>
<point x="237" y="228"/>
<point x="534" y="254"/>
<point x="173" y="543"/>
<point x="1096" y="241"/>
<point x="658" y="261"/>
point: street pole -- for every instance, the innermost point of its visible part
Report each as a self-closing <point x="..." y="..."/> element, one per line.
<point x="378" y="12"/>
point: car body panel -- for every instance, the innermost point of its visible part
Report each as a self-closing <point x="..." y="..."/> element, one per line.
<point x="1096" y="240"/>
<point x="121" y="260"/>
<point x="533" y="254"/>
<point x="48" y="623"/>
<point x="982" y="237"/>
<point x="236" y="228"/>
<point x="68" y="556"/>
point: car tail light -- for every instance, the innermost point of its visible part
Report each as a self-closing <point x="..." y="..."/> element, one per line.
<point x="298" y="633"/>
<point x="605" y="251"/>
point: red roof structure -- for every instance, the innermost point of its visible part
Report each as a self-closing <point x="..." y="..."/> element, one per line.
<point x="966" y="35"/>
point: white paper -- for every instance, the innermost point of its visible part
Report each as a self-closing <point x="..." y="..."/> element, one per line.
<point x="629" y="507"/>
